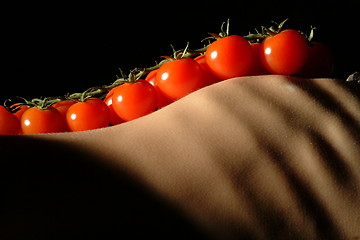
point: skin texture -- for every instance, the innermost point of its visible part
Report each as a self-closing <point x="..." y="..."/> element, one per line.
<point x="267" y="157"/>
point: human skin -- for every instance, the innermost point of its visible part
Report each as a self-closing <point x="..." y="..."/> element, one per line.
<point x="266" y="157"/>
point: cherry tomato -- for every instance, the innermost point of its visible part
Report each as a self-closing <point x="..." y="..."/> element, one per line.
<point x="35" y="120"/>
<point x="20" y="109"/>
<point x="320" y="62"/>
<point x="229" y="57"/>
<point x="178" y="78"/>
<point x="256" y="67"/>
<point x="162" y="100"/>
<point x="9" y="123"/>
<point x="63" y="106"/>
<point x="114" y="118"/>
<point x="210" y="78"/>
<point x="284" y="53"/>
<point x="90" y="114"/>
<point x="133" y="100"/>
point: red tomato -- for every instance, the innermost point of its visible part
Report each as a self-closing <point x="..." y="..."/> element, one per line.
<point x="320" y="62"/>
<point x="284" y="53"/>
<point x="9" y="123"/>
<point x="114" y="118"/>
<point x="256" y="67"/>
<point x="229" y="57"/>
<point x="133" y="100"/>
<point x="63" y="106"/>
<point x="20" y="109"/>
<point x="178" y="78"/>
<point x="210" y="78"/>
<point x="162" y="100"/>
<point x="90" y="114"/>
<point x="35" y="120"/>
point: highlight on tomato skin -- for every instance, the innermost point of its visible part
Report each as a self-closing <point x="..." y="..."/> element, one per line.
<point x="284" y="53"/>
<point x="256" y="67"/>
<point x="114" y="118"/>
<point x="229" y="57"/>
<point x="134" y="100"/>
<point x="20" y="109"/>
<point x="162" y="100"/>
<point x="63" y="106"/>
<point x="272" y="51"/>
<point x="180" y="77"/>
<point x="91" y="114"/>
<point x="210" y="78"/>
<point x="35" y="121"/>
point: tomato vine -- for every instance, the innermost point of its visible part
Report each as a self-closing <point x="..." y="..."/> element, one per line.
<point x="136" y="73"/>
<point x="223" y="56"/>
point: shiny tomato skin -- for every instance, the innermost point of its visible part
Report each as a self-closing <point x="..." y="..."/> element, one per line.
<point x="35" y="121"/>
<point x="229" y="57"/>
<point x="134" y="100"/>
<point x="162" y="100"/>
<point x="210" y="78"/>
<point x="9" y="123"/>
<point x="114" y="118"/>
<point x="90" y="114"/>
<point x="20" y="109"/>
<point x="63" y="106"/>
<point x="178" y="78"/>
<point x="284" y="53"/>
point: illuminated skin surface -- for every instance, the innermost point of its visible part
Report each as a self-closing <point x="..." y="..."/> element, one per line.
<point x="255" y="157"/>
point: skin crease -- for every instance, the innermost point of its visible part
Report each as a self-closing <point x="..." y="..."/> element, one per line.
<point x="266" y="157"/>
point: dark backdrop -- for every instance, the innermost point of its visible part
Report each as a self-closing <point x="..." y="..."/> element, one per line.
<point x="57" y="48"/>
<point x="53" y="49"/>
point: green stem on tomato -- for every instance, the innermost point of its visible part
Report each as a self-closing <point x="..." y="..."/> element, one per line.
<point x="138" y="73"/>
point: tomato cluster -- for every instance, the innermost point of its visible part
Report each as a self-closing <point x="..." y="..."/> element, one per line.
<point x="285" y="52"/>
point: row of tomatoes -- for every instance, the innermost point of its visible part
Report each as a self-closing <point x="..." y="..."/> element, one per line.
<point x="285" y="53"/>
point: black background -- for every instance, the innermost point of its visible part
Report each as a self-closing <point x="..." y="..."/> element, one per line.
<point x="55" y="48"/>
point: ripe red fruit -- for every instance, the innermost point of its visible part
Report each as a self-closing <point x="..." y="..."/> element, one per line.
<point x="178" y="78"/>
<point x="9" y="123"/>
<point x="35" y="120"/>
<point x="162" y="100"/>
<point x="229" y="57"/>
<point x="90" y="114"/>
<point x="284" y="53"/>
<point x="134" y="100"/>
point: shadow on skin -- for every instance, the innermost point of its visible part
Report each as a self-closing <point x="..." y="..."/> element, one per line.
<point x="284" y="157"/>
<point x="326" y="153"/>
<point x="70" y="195"/>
